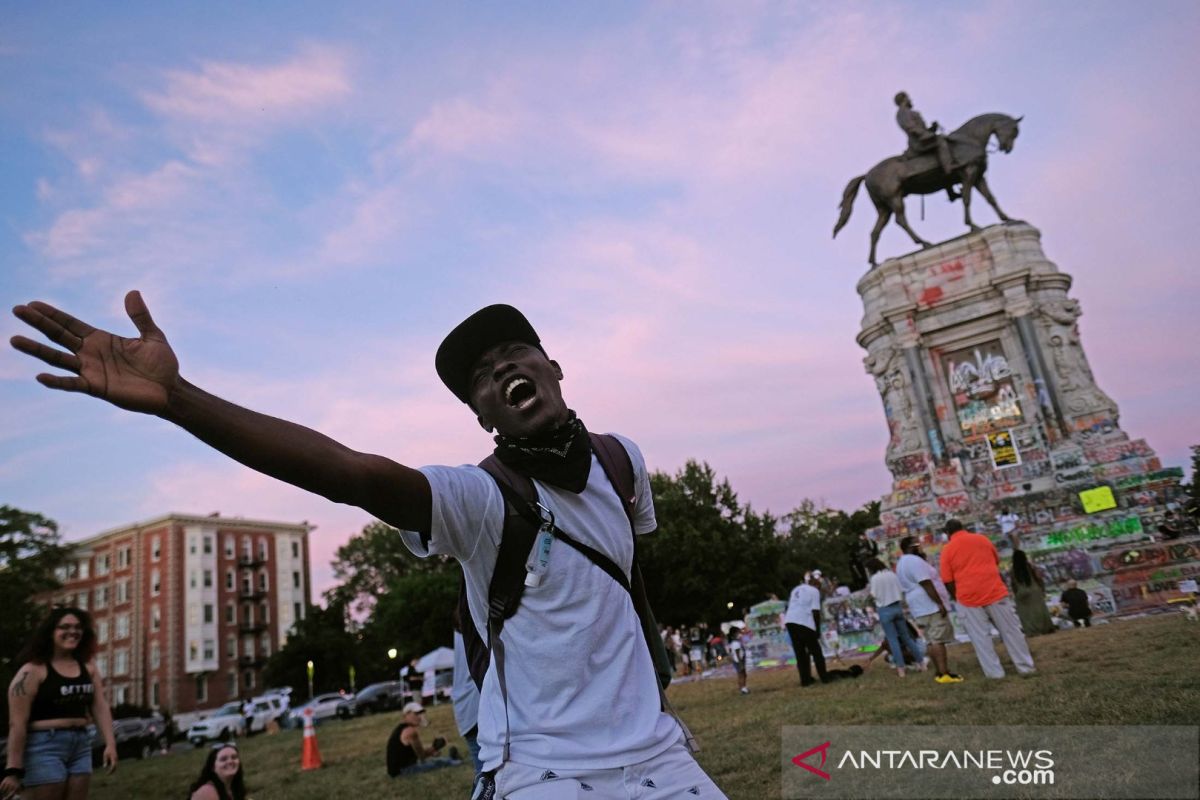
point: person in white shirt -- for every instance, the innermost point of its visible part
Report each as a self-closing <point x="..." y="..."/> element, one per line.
<point x="885" y="590"/>
<point x="803" y="623"/>
<point x="927" y="599"/>
<point x="584" y="704"/>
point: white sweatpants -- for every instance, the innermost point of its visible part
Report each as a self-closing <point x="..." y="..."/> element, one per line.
<point x="671" y="774"/>
<point x="978" y="620"/>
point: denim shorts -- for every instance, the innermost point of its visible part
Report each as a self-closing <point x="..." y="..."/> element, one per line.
<point x="53" y="756"/>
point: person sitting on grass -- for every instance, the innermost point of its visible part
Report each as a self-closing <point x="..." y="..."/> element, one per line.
<point x="405" y="753"/>
<point x="221" y="777"/>
<point x="885" y="649"/>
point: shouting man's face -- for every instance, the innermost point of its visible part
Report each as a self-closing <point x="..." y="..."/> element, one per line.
<point x="515" y="390"/>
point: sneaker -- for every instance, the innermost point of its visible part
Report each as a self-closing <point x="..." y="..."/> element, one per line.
<point x="949" y="677"/>
<point x="745" y="690"/>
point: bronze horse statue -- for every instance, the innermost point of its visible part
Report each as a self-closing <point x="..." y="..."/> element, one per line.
<point x="889" y="181"/>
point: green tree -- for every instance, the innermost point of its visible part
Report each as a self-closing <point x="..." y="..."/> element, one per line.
<point x="412" y="616"/>
<point x="1191" y="499"/>
<point x="30" y="552"/>
<point x="370" y="561"/>
<point x="321" y="637"/>
<point x="709" y="551"/>
<point x="824" y="539"/>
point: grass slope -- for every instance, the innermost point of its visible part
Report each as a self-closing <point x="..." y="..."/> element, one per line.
<point x="1128" y="672"/>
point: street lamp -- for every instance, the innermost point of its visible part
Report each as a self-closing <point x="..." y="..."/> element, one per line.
<point x="310" y="679"/>
<point x="392" y="652"/>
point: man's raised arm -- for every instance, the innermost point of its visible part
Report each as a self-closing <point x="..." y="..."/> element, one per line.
<point x="142" y="375"/>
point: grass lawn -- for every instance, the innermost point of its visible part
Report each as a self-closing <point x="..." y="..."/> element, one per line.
<point x="1140" y="671"/>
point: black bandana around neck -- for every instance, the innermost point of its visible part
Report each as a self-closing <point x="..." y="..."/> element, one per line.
<point x="561" y="457"/>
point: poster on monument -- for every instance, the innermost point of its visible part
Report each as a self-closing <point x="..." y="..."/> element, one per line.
<point x="1003" y="449"/>
<point x="981" y="387"/>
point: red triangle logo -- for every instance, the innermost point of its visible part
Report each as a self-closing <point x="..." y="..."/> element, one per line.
<point x="823" y="749"/>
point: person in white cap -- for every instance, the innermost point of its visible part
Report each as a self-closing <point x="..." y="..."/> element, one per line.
<point x="803" y="623"/>
<point x="407" y="755"/>
<point x="584" y="709"/>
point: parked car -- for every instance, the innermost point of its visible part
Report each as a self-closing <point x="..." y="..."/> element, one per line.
<point x="373" y="699"/>
<point x="265" y="709"/>
<point x="224" y="723"/>
<point x="323" y="706"/>
<point x="136" y="737"/>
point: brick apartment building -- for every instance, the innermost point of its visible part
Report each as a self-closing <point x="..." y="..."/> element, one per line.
<point x="187" y="609"/>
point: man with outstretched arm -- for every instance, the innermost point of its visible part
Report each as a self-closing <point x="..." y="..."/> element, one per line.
<point x="583" y="707"/>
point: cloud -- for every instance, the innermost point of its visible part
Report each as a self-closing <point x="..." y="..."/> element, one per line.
<point x="220" y="108"/>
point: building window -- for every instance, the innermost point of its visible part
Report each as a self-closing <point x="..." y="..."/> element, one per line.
<point x="155" y="548"/>
<point x="155" y="618"/>
<point x="230" y="614"/>
<point x="119" y="695"/>
<point x="193" y="615"/>
<point x="229" y="579"/>
<point x="208" y="578"/>
<point x="247" y="614"/>
<point x="192" y="545"/>
<point x="102" y="564"/>
<point x="102" y="663"/>
<point x="122" y="626"/>
<point x="262" y="549"/>
<point x="201" y="689"/>
<point x="81" y="600"/>
<point x="227" y="540"/>
<point x="245" y="584"/>
<point x="249" y="676"/>
<point x="262" y="581"/>
<point x="231" y="647"/>
<point x="192" y="579"/>
<point x="246" y="548"/>
<point x="154" y="694"/>
<point x="208" y="545"/>
<point x="102" y="631"/>
<point x="121" y="661"/>
<point x="155" y="655"/>
<point x="193" y="651"/>
<point x="101" y="597"/>
<point x="298" y="611"/>
<point x="209" y="650"/>
<point x="123" y="591"/>
<point x="295" y="549"/>
<point x="85" y="568"/>
<point x="155" y="582"/>
<point x="265" y="644"/>
<point x="265" y="611"/>
<point x="295" y="580"/>
<point x="208" y="613"/>
<point x="123" y="556"/>
<point x="231" y="688"/>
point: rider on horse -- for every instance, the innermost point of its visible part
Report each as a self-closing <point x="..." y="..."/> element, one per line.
<point x="923" y="138"/>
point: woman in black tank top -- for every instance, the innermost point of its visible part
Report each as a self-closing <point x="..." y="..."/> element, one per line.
<point x="57" y="691"/>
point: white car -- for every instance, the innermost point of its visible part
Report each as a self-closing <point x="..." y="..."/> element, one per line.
<point x="264" y="709"/>
<point x="224" y="723"/>
<point x="323" y="706"/>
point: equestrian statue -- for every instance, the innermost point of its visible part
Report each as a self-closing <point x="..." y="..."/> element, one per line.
<point x="932" y="163"/>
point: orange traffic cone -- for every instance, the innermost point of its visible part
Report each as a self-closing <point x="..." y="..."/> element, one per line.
<point x="310" y="758"/>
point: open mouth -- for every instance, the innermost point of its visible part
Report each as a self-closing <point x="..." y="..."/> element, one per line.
<point x="519" y="393"/>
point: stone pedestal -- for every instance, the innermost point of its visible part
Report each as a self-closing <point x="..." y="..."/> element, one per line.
<point x="990" y="403"/>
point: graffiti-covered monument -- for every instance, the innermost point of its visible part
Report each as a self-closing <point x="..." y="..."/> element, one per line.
<point x="975" y="348"/>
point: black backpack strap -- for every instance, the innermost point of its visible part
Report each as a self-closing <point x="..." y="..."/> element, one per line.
<point x="614" y="458"/>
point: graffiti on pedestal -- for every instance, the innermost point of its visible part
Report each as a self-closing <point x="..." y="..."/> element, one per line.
<point x="980" y="382"/>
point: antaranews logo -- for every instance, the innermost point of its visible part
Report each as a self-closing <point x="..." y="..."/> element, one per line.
<point x="1009" y="767"/>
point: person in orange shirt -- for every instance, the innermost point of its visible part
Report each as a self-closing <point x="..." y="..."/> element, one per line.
<point x="970" y="568"/>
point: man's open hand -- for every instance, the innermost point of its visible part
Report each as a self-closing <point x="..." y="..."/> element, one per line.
<point x="136" y="374"/>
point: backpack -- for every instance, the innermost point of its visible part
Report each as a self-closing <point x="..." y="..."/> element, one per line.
<point x="521" y="525"/>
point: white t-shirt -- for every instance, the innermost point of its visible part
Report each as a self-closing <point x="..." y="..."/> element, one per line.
<point x="804" y="600"/>
<point x="911" y="570"/>
<point x="885" y="588"/>
<point x="1008" y="522"/>
<point x="464" y="692"/>
<point x="582" y="691"/>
